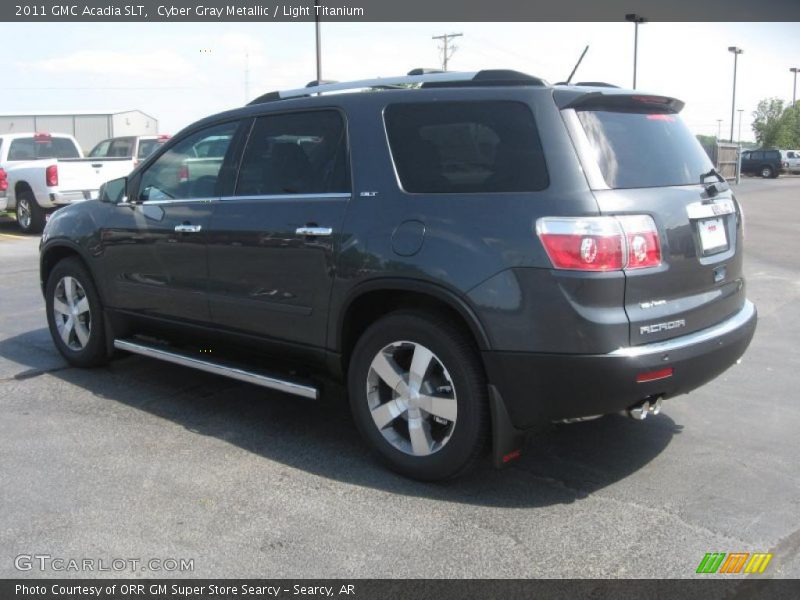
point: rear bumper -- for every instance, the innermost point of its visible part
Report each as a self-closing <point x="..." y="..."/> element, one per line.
<point x="538" y="388"/>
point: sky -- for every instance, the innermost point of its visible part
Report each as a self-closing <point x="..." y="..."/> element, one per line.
<point x="181" y="72"/>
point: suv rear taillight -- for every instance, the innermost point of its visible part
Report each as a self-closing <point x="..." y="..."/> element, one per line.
<point x="51" y="175"/>
<point x="3" y="180"/>
<point x="600" y="243"/>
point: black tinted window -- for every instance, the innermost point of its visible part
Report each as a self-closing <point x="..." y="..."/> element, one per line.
<point x="33" y="148"/>
<point x="466" y="147"/>
<point x="757" y="155"/>
<point x="774" y="155"/>
<point x="295" y="153"/>
<point x="635" y="149"/>
<point x="188" y="170"/>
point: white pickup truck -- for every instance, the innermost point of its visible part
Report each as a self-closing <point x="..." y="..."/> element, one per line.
<point x="40" y="172"/>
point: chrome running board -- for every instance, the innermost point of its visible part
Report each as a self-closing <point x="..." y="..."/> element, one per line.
<point x="218" y="368"/>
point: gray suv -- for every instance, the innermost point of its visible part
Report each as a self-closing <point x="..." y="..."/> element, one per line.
<point x="473" y="254"/>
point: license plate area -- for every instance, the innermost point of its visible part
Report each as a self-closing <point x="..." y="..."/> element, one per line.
<point x="713" y="235"/>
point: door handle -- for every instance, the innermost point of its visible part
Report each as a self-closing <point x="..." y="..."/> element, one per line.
<point x="186" y="228"/>
<point x="314" y="231"/>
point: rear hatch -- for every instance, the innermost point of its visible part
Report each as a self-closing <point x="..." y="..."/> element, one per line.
<point x="641" y="159"/>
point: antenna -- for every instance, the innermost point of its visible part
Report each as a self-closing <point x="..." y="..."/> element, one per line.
<point x="578" y="64"/>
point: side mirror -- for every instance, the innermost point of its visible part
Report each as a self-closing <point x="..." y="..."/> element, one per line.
<point x="114" y="191"/>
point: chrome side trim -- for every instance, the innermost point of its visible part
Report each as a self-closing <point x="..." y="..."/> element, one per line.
<point x="704" y="335"/>
<point x="175" y="201"/>
<point x="272" y="383"/>
<point x="327" y="196"/>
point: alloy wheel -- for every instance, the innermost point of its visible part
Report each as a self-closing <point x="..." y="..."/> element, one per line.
<point x="412" y="398"/>
<point x="72" y="313"/>
<point x="24" y="213"/>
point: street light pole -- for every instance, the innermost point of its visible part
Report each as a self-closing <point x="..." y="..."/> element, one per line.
<point x="794" y="88"/>
<point x="740" y="111"/>
<point x="719" y="128"/>
<point x="318" y="41"/>
<point x="636" y="20"/>
<point x="736" y="52"/>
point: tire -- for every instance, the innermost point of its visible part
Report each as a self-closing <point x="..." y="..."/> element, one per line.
<point x="414" y="442"/>
<point x="70" y="285"/>
<point x="30" y="216"/>
<point x="767" y="172"/>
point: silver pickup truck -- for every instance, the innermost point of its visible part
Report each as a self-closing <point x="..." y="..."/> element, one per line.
<point x="40" y="172"/>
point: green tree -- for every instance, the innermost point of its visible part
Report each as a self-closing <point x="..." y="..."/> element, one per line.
<point x="767" y="122"/>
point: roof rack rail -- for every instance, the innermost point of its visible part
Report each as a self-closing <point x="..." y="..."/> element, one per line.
<point x="589" y="84"/>
<point x="316" y="83"/>
<point x="437" y="79"/>
<point x="423" y="71"/>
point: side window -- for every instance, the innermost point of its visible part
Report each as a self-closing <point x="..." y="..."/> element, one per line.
<point x="121" y="148"/>
<point x="190" y="169"/>
<point x="466" y="147"/>
<point x="295" y="153"/>
<point x="757" y="155"/>
<point x="101" y="150"/>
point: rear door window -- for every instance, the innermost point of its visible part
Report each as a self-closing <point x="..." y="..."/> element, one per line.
<point x="638" y="150"/>
<point x="295" y="153"/>
<point x="466" y="147"/>
<point x="121" y="148"/>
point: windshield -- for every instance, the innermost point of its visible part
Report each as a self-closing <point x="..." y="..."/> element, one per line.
<point x="635" y="150"/>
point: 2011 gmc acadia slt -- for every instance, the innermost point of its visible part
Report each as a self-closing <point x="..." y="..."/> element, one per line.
<point x="475" y="254"/>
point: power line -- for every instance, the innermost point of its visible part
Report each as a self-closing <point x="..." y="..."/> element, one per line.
<point x="447" y="48"/>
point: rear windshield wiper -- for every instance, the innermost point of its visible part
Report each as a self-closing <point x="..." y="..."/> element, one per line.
<point x="713" y="188"/>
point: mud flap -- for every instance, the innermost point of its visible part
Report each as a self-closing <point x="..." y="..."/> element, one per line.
<point x="507" y="440"/>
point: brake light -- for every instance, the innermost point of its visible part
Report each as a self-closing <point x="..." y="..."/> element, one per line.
<point x="51" y="175"/>
<point x="42" y="138"/>
<point x="3" y="180"/>
<point x="641" y="237"/>
<point x="164" y="137"/>
<point x="660" y="117"/>
<point x="600" y="243"/>
<point x="183" y="174"/>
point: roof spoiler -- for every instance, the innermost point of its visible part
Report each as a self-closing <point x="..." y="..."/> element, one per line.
<point x="612" y="99"/>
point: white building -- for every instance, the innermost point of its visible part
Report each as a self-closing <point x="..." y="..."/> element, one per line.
<point x="88" y="126"/>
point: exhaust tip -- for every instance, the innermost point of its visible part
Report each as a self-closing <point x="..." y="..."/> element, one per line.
<point x="650" y="406"/>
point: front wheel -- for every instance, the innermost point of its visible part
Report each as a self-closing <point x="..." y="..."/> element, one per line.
<point x="767" y="172"/>
<point x="30" y="216"/>
<point x="418" y="395"/>
<point x="75" y="314"/>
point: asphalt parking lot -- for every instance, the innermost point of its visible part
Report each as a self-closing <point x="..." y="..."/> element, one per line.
<point x="147" y="460"/>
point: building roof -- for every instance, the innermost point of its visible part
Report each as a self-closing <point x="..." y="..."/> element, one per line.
<point x="68" y="113"/>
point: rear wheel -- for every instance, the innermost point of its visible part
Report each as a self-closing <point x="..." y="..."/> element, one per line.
<point x="30" y="216"/>
<point x="75" y="314"/>
<point x="418" y="395"/>
<point x="767" y="172"/>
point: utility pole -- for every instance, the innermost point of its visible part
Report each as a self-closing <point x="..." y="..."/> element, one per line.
<point x="719" y="128"/>
<point x="636" y="20"/>
<point x="319" y="41"/>
<point x="740" y="111"/>
<point x="794" y="89"/>
<point x="736" y="52"/>
<point x="447" y="48"/>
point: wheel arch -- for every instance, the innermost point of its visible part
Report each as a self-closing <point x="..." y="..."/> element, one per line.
<point x="54" y="253"/>
<point x="371" y="300"/>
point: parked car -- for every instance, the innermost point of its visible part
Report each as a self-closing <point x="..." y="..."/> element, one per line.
<point x="766" y="163"/>
<point x="40" y="172"/>
<point x="474" y="254"/>
<point x="136" y="147"/>
<point x="792" y="160"/>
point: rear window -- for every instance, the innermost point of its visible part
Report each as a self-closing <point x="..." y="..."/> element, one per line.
<point x="638" y="150"/>
<point x="32" y="149"/>
<point x="466" y="147"/>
